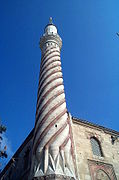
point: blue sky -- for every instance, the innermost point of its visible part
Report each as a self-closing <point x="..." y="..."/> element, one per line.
<point x="90" y="60"/>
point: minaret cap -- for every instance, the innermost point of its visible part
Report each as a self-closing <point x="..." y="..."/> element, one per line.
<point x="50" y="35"/>
<point x="50" y="28"/>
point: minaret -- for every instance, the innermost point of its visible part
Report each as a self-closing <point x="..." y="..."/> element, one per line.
<point x="53" y="148"/>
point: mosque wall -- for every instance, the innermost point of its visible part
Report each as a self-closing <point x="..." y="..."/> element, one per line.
<point x="93" y="161"/>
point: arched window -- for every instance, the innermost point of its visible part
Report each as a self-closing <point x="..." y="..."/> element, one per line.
<point x="96" y="148"/>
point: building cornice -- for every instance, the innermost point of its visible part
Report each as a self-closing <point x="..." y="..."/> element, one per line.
<point x="93" y="125"/>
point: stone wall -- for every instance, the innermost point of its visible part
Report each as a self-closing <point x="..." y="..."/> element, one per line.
<point x="90" y="165"/>
<point x="19" y="165"/>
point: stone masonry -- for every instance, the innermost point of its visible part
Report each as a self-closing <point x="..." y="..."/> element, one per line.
<point x="87" y="162"/>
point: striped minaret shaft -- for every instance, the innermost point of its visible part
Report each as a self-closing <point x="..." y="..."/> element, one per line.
<point x="53" y="153"/>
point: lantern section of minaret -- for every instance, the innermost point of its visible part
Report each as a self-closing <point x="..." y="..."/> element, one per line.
<point x="53" y="154"/>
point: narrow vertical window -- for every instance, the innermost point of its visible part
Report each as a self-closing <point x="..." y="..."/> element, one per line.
<point x="96" y="148"/>
<point x="26" y="159"/>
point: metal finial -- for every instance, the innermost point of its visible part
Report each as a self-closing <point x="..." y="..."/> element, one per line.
<point x="50" y="20"/>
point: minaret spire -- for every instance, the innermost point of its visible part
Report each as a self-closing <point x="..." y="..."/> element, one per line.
<point x="53" y="151"/>
<point x="50" y="20"/>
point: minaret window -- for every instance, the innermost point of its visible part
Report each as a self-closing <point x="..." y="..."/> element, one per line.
<point x="96" y="148"/>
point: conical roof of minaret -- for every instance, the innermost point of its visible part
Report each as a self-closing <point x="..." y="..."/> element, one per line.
<point x="50" y="34"/>
<point x="50" y="28"/>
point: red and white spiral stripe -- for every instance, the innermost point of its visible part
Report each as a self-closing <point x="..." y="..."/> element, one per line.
<point x="52" y="126"/>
